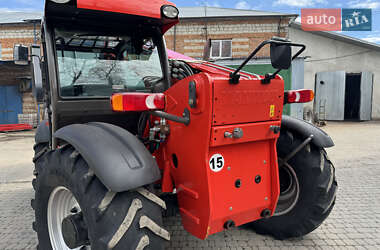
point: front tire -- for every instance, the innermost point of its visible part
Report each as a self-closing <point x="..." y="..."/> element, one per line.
<point x="127" y="220"/>
<point x="306" y="200"/>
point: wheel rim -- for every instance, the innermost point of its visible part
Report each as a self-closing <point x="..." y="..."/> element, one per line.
<point x="289" y="190"/>
<point x="60" y="205"/>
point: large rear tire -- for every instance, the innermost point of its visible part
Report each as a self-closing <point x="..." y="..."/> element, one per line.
<point x="127" y="220"/>
<point x="308" y="190"/>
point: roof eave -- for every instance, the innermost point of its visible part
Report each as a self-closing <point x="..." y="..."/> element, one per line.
<point x="341" y="37"/>
<point x="238" y="17"/>
<point x="17" y="23"/>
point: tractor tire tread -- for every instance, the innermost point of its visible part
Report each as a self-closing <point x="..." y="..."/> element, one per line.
<point x="33" y="204"/>
<point x="60" y="168"/>
<point x="315" y="203"/>
<point x="39" y="150"/>
<point x="34" y="184"/>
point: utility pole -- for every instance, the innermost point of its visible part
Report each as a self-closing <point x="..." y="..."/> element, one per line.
<point x="206" y="22"/>
<point x="206" y="51"/>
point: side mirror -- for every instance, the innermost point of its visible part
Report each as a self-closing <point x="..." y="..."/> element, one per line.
<point x="37" y="80"/>
<point x="142" y="47"/>
<point x="147" y="49"/>
<point x="21" y="54"/>
<point x="148" y="46"/>
<point x="281" y="55"/>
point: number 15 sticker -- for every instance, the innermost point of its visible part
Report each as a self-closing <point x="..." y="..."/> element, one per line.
<point x="216" y="162"/>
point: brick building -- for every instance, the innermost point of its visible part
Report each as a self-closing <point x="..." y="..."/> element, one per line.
<point x="17" y="104"/>
<point x="18" y="28"/>
<point x="234" y="33"/>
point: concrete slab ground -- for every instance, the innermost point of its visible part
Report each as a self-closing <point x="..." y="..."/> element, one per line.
<point x="353" y="224"/>
<point x="16" y="154"/>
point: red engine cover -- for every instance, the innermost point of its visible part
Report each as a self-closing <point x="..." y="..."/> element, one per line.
<point x="247" y="102"/>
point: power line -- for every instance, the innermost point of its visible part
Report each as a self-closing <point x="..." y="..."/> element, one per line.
<point x="339" y="57"/>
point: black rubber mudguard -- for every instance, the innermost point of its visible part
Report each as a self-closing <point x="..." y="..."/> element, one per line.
<point x="116" y="156"/>
<point x="305" y="129"/>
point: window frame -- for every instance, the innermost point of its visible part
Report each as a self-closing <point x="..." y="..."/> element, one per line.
<point x="155" y="36"/>
<point x="220" y="49"/>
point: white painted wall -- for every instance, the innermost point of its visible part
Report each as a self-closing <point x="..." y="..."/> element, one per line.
<point x="343" y="56"/>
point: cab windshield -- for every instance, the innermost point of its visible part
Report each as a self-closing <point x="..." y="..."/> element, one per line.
<point x="92" y="65"/>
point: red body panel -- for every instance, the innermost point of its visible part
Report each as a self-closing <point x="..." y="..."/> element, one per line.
<point x="190" y="145"/>
<point x="148" y="8"/>
<point x="243" y="161"/>
<point x="209" y="199"/>
<point x="252" y="132"/>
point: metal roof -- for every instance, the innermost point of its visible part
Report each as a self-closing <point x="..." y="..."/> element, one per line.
<point x="212" y="12"/>
<point x="340" y="37"/>
<point x="7" y="17"/>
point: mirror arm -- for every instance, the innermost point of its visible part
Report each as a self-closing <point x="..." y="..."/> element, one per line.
<point x="38" y="90"/>
<point x="269" y="77"/>
<point x="235" y="77"/>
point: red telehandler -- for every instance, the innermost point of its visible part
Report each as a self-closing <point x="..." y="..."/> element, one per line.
<point x="131" y="134"/>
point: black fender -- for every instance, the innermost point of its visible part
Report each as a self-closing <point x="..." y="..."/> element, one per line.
<point x="118" y="158"/>
<point x="320" y="138"/>
<point x="43" y="132"/>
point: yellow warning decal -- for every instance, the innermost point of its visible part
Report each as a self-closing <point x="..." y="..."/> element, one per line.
<point x="272" y="109"/>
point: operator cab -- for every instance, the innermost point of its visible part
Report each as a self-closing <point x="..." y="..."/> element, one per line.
<point x="90" y="52"/>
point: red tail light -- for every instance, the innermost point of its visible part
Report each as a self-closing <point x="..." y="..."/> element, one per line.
<point x="299" y="96"/>
<point x="137" y="102"/>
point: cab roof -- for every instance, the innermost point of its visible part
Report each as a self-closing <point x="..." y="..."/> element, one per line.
<point x="148" y="8"/>
<point x="119" y="13"/>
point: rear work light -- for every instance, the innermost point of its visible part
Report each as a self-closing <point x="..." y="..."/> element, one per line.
<point x="137" y="102"/>
<point x="299" y="96"/>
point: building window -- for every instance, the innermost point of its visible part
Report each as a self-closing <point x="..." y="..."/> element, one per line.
<point x="221" y="48"/>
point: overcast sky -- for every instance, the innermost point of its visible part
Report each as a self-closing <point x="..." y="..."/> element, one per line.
<point x="285" y="6"/>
